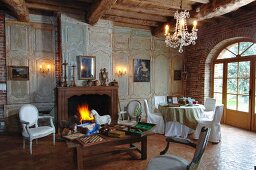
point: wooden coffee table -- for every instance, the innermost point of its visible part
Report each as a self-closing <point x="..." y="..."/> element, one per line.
<point x="87" y="150"/>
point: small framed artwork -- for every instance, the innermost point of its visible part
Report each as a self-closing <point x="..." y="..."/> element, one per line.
<point x="19" y="73"/>
<point x="172" y="100"/>
<point x="86" y="67"/>
<point x="177" y="74"/>
<point x="141" y="70"/>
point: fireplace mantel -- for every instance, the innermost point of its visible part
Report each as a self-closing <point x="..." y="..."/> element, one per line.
<point x="64" y="93"/>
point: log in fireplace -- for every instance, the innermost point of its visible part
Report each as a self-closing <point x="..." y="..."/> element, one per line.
<point x="103" y="99"/>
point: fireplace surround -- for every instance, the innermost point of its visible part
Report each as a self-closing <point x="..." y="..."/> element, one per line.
<point x="67" y="95"/>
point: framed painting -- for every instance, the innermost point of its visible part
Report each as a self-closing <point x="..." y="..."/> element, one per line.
<point x="172" y="100"/>
<point x="141" y="70"/>
<point x="86" y="67"/>
<point x="19" y="73"/>
<point x="177" y="74"/>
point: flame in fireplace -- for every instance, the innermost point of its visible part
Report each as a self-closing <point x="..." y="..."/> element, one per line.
<point x="84" y="113"/>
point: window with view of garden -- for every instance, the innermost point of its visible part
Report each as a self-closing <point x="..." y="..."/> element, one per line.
<point x="232" y="59"/>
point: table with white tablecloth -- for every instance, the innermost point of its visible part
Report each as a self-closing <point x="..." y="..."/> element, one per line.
<point x="179" y="121"/>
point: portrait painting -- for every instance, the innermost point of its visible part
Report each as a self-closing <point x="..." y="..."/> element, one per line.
<point x="86" y="67"/>
<point x="19" y="73"/>
<point x="141" y="70"/>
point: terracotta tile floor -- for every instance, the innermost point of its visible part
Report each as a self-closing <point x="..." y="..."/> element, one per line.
<point x="236" y="151"/>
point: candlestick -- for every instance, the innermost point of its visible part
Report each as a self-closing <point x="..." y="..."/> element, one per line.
<point x="65" y="74"/>
<point x="73" y="83"/>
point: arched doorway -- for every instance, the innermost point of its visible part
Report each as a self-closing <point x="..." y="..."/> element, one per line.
<point x="233" y="80"/>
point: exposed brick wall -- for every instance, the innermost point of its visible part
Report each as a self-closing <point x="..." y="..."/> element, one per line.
<point x="2" y="58"/>
<point x="58" y="58"/>
<point x="210" y="36"/>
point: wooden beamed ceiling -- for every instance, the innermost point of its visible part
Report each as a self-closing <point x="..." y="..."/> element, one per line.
<point x="145" y="14"/>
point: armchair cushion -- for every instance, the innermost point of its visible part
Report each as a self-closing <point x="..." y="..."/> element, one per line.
<point x="40" y="131"/>
<point x="163" y="162"/>
<point x="45" y="117"/>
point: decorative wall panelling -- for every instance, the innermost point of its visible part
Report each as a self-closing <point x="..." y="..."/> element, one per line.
<point x="130" y="44"/>
<point x="30" y="44"/>
<point x="79" y="38"/>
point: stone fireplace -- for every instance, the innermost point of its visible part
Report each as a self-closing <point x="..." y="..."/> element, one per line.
<point x="100" y="103"/>
<point x="103" y="99"/>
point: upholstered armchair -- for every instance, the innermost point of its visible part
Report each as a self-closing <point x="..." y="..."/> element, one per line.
<point x="172" y="162"/>
<point x="131" y="115"/>
<point x="29" y="116"/>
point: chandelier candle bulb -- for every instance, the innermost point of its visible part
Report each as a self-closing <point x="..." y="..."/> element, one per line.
<point x="194" y="25"/>
<point x="166" y="29"/>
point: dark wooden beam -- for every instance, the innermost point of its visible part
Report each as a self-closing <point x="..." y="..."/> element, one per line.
<point x="131" y="21"/>
<point x="131" y="25"/>
<point x="98" y="9"/>
<point x="62" y="3"/>
<point x="54" y="8"/>
<point x="19" y="8"/>
<point x="153" y="11"/>
<point x="219" y="7"/>
<point x="158" y="4"/>
<point x="137" y="15"/>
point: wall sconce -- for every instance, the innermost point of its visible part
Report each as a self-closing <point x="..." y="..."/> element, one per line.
<point x="44" y="69"/>
<point x="121" y="71"/>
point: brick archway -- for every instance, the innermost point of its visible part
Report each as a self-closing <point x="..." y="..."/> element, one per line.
<point x="208" y="70"/>
<point x="199" y="57"/>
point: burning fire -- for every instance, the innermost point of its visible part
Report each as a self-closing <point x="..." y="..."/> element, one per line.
<point x="84" y="113"/>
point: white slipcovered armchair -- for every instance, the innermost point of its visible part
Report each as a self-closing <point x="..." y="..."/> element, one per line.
<point x="214" y="124"/>
<point x="29" y="116"/>
<point x="155" y="118"/>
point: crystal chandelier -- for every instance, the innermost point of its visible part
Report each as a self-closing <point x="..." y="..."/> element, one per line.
<point x="181" y="37"/>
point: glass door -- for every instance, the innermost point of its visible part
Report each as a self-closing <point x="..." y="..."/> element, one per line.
<point x="237" y="96"/>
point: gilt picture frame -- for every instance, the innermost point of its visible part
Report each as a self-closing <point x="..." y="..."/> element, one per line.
<point x="18" y="73"/>
<point x="86" y="67"/>
<point x="141" y="70"/>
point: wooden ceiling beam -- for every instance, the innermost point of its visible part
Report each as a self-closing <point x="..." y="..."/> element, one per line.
<point x="161" y="4"/>
<point x="67" y="4"/>
<point x="201" y="1"/>
<point x="54" y="8"/>
<point x="98" y="9"/>
<point x="153" y="11"/>
<point x="131" y="21"/>
<point x="131" y="25"/>
<point x="136" y="15"/>
<point x="219" y="7"/>
<point x="19" y="8"/>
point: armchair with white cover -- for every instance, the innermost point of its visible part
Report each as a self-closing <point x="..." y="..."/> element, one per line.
<point x="155" y="118"/>
<point x="213" y="123"/>
<point x="29" y="116"/>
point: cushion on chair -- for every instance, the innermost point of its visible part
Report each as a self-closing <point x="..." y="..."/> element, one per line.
<point x="40" y="131"/>
<point x="167" y="162"/>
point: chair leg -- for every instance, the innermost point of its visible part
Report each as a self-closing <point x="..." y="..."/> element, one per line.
<point x="53" y="138"/>
<point x="24" y="143"/>
<point x="30" y="147"/>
